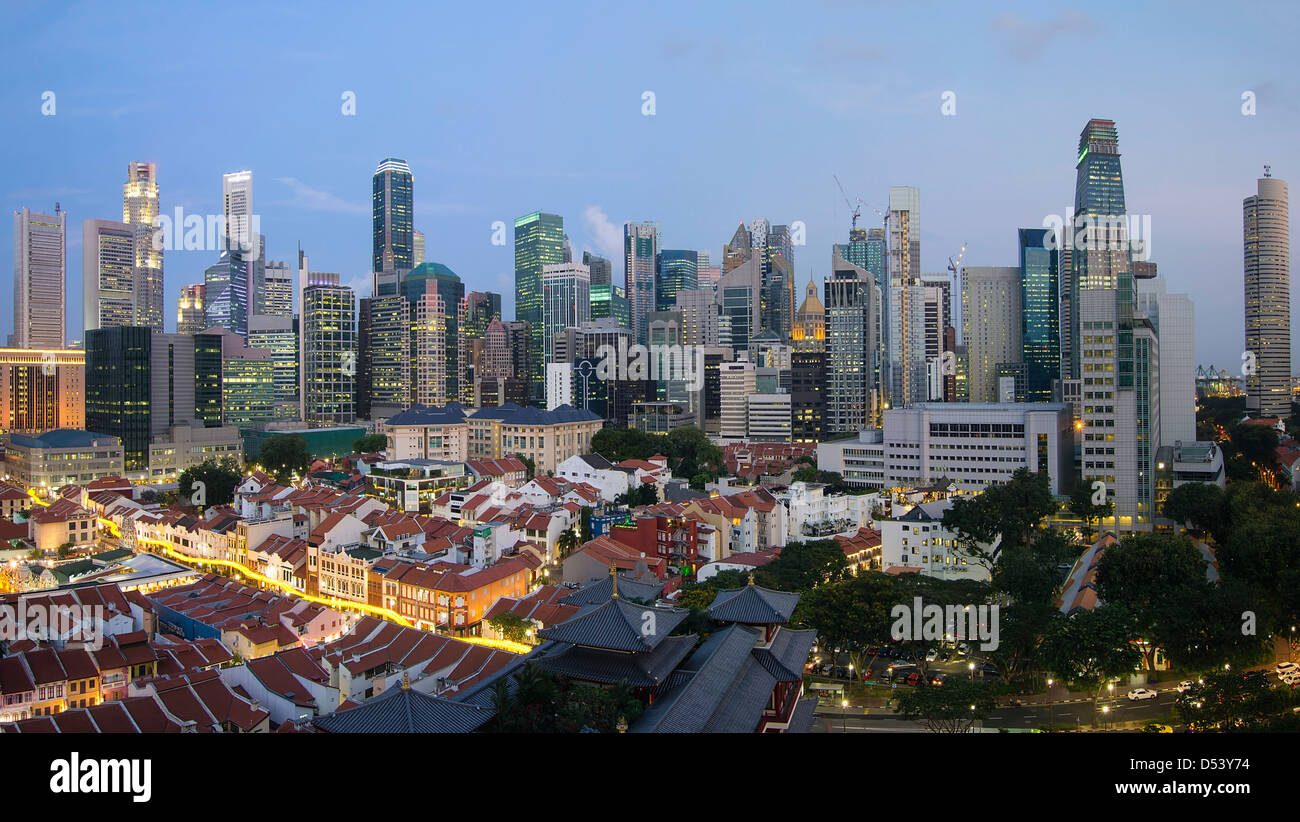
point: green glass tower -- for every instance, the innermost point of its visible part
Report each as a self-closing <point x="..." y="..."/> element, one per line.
<point x="539" y="242"/>
<point x="677" y="271"/>
<point x="393" y="216"/>
<point x="118" y="388"/>
<point x="1040" y="339"/>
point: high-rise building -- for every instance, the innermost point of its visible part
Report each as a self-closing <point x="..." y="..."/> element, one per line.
<point x="602" y="271"/>
<point x="42" y="390"/>
<point x="1114" y="356"/>
<point x="478" y="310"/>
<point x="191" y="316"/>
<point x="393" y="217"/>
<point x="611" y="301"/>
<point x="539" y="241"/>
<point x="277" y="335"/>
<point x="1172" y="316"/>
<point x="906" y="374"/>
<point x="738" y="381"/>
<point x="417" y="254"/>
<point x="740" y="291"/>
<point x="226" y="289"/>
<point x="640" y="252"/>
<point x="329" y="351"/>
<point x="273" y="290"/>
<point x="566" y="302"/>
<point x="1040" y="322"/>
<point x="850" y="321"/>
<point x="118" y="395"/>
<point x="677" y="272"/>
<point x="108" y="274"/>
<point x="1267" y="235"/>
<point x="435" y="293"/>
<point x="172" y="382"/>
<point x="738" y="250"/>
<point x="139" y="210"/>
<point x="701" y="313"/>
<point x="809" y="333"/>
<point x="40" y="266"/>
<point x="990" y="326"/>
<point x="383" y="356"/>
<point x="234" y="383"/>
<point x="241" y="228"/>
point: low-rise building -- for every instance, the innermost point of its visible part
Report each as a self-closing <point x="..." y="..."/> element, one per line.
<point x="61" y="457"/>
<point x="917" y="542"/>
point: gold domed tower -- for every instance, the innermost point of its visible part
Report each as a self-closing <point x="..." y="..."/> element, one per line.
<point x="809" y="330"/>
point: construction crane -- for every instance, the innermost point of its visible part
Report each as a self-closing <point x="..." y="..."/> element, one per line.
<point x="856" y="210"/>
<point x="954" y="265"/>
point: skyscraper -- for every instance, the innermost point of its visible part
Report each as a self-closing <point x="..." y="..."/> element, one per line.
<point x="383" y="356"/>
<point x="191" y="316"/>
<point x="566" y="302"/>
<point x="118" y="398"/>
<point x="139" y="210"/>
<point x="990" y="326"/>
<point x="393" y="217"/>
<point x="237" y="206"/>
<point x="904" y="267"/>
<point x="850" y="319"/>
<point x="1267" y="236"/>
<point x="539" y="241"/>
<point x="640" y="252"/>
<point x="329" y="351"/>
<point x="1040" y="337"/>
<point x="1173" y="318"/>
<point x="741" y="293"/>
<point x="601" y="269"/>
<point x="440" y="318"/>
<point x="226" y="288"/>
<point x="108" y="274"/>
<point x="677" y="271"/>
<point x="40" y="265"/>
<point x="273" y="290"/>
<point x="276" y="334"/>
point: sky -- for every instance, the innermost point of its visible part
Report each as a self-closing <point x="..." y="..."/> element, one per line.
<point x="506" y="108"/>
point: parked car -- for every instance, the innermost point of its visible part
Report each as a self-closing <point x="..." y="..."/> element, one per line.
<point x="1142" y="693"/>
<point x="938" y="679"/>
<point x="1286" y="667"/>
<point x="1185" y="685"/>
<point x="913" y="678"/>
<point x="931" y="655"/>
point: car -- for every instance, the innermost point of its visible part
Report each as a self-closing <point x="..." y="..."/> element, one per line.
<point x="1156" y="728"/>
<point x="1142" y="693"/>
<point x="1286" y="667"/>
<point x="913" y="678"/>
<point x="931" y="655"/>
<point x="1289" y="677"/>
<point x="938" y="679"/>
<point x="1185" y="685"/>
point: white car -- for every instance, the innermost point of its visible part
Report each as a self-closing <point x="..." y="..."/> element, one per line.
<point x="1142" y="693"/>
<point x="1286" y="667"/>
<point x="1185" y="685"/>
<point x="1289" y="677"/>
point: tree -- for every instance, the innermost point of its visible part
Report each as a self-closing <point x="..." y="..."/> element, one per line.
<point x="218" y="482"/>
<point x="370" y="444"/>
<point x="1229" y="700"/>
<point x="1194" y="504"/>
<point x="285" y="455"/>
<point x="1011" y="510"/>
<point x="64" y="550"/>
<point x="953" y="707"/>
<point x="586" y="525"/>
<point x="511" y="626"/>
<point x="805" y="474"/>
<point x="528" y="464"/>
<point x="1159" y="578"/>
<point x="1082" y="506"/>
<point x="1091" y="646"/>
<point x="568" y="542"/>
<point x="803" y="565"/>
<point x="1256" y="443"/>
<point x="544" y="703"/>
<point x="851" y="614"/>
<point x="700" y="595"/>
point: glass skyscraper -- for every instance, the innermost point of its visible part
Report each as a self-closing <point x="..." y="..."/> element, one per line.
<point x="118" y="389"/>
<point x="393" y="217"/>
<point x="539" y="242"/>
<point x="1040" y="347"/>
<point x="677" y="271"/>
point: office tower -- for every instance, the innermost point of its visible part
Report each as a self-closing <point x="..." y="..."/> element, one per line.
<point x="566" y="301"/>
<point x="640" y="251"/>
<point x="383" y="356"/>
<point x="677" y="271"/>
<point x="40" y="265"/>
<point x="172" y="382"/>
<point x="234" y="383"/>
<point x="990" y="326"/>
<point x="1267" y="235"/>
<point x="118" y="396"/>
<point x="478" y="310"/>
<point x="139" y="210"/>
<point x="1112" y="356"/>
<point x="191" y="316"/>
<point x="602" y="272"/>
<point x="933" y="304"/>
<point x="850" y="320"/>
<point x="777" y="310"/>
<point x="701" y="314"/>
<point x="1144" y="270"/>
<point x="42" y="390"/>
<point x="1040" y="322"/>
<point x="809" y="332"/>
<point x="740" y="291"/>
<point x="808" y="394"/>
<point x="276" y="334"/>
<point x="393" y="215"/>
<point x="240" y="230"/>
<point x="226" y="289"/>
<point x="1172" y="316"/>
<point x="904" y="268"/>
<point x="611" y="301"/>
<point x="329" y="352"/>
<point x="1066" y="313"/>
<point x="706" y="274"/>
<point x="273" y="290"/>
<point x="417" y="247"/>
<point x="739" y="250"/>
<point x="539" y="241"/>
<point x="737" y="382"/>
<point x="108" y="274"/>
<point x="435" y="293"/>
<point x="669" y="366"/>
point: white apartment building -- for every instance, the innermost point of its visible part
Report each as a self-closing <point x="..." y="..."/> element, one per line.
<point x="917" y="542"/>
<point x="769" y="417"/>
<point x="811" y="514"/>
<point x="736" y="380"/>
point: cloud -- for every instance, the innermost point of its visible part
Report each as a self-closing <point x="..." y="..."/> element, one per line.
<point x="313" y="199"/>
<point x="603" y="234"/>
<point x="1027" y="41"/>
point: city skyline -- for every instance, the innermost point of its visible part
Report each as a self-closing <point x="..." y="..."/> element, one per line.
<point x="480" y="171"/>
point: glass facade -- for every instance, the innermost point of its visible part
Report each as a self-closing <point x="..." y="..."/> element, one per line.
<point x="393" y="217"/>
<point x="1040" y="312"/>
<point x="539" y="241"/>
<point x="677" y="271"/>
<point x="118" y="390"/>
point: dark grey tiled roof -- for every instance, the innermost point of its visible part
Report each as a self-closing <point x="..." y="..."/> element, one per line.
<point x="617" y="625"/>
<point x="753" y="605"/>
<point x="628" y="588"/>
<point x="791" y="648"/>
<point x="741" y="708"/>
<point x="429" y="415"/>
<point x="643" y="670"/>
<point x="681" y="492"/>
<point x="801" y="721"/>
<point x="514" y="415"/>
<point x="406" y="711"/>
<point x="596" y="461"/>
<point x="696" y="690"/>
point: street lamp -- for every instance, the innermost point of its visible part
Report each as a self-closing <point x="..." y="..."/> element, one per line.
<point x="1105" y="714"/>
<point x="1051" y="709"/>
<point x="970" y="666"/>
<point x="844" y="716"/>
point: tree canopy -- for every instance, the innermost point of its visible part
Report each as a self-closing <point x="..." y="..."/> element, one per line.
<point x="284" y="455"/>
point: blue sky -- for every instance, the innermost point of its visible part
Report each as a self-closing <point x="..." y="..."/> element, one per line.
<point x="506" y="108"/>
